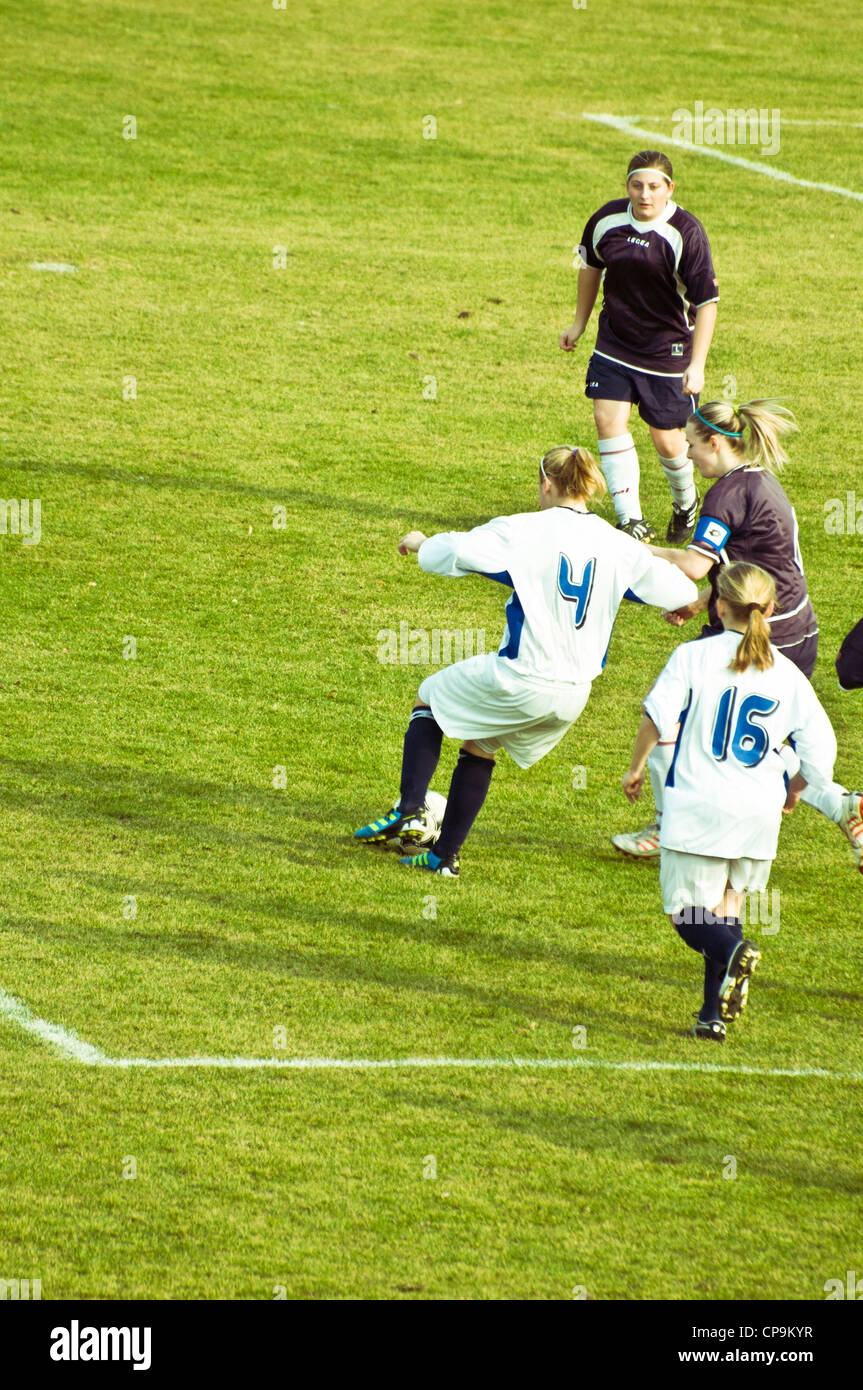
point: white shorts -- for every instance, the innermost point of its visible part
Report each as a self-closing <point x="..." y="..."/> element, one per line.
<point x="485" y="700"/>
<point x="696" y="880"/>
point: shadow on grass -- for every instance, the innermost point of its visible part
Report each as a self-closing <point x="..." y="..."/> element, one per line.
<point x="283" y="490"/>
<point x="696" y="1155"/>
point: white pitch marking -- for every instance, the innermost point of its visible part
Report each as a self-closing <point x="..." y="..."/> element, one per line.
<point x="628" y="128"/>
<point x="61" y="267"/>
<point x="70" y="1047"/>
<point x="785" y="120"/>
<point x="68" y="1044"/>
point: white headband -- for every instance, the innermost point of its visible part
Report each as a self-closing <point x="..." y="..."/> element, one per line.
<point x="572" y="449"/>
<point x="649" y="171"/>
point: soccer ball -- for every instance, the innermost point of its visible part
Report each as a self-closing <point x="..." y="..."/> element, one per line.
<point x="432" y="815"/>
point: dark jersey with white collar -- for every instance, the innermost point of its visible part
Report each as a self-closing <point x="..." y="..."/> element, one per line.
<point x="746" y="515"/>
<point x="656" y="274"/>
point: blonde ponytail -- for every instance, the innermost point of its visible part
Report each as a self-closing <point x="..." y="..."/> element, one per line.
<point x="753" y="431"/>
<point x="749" y="590"/>
<point x="574" y="472"/>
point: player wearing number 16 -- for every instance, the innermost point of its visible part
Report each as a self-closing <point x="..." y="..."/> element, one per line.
<point x="569" y="572"/>
<point x="733" y="701"/>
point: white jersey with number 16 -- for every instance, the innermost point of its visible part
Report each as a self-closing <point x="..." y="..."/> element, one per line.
<point x="725" y="788"/>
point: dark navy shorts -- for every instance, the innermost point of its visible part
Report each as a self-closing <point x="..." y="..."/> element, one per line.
<point x="849" y="662"/>
<point x="660" y="400"/>
<point x="803" y="654"/>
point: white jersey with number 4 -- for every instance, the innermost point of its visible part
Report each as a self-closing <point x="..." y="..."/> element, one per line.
<point x="569" y="572"/>
<point x="725" y="788"/>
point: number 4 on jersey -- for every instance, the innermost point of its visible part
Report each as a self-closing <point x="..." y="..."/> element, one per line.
<point x="579" y="593"/>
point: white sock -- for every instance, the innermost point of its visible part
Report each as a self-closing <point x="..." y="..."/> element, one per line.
<point x="681" y="479"/>
<point x="827" y="799"/>
<point x="620" y="466"/>
<point x="658" y="763"/>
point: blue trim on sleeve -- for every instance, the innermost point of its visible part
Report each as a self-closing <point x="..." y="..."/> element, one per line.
<point x="647" y="710"/>
<point x="669" y="781"/>
<point x="633" y="597"/>
<point x="514" y="625"/>
<point x="502" y="576"/>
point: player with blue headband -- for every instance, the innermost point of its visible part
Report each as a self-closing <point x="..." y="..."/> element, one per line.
<point x="746" y="515"/>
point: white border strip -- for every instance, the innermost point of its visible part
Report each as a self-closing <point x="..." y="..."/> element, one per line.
<point x="69" y="1046"/>
<point x="629" y="128"/>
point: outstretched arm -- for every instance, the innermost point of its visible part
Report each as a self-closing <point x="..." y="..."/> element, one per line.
<point x="678" y="616"/>
<point x="484" y="550"/>
<point x="411" y="542"/>
<point x="664" y="585"/>
<point x="692" y="562"/>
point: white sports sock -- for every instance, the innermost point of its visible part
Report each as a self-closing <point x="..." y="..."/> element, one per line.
<point x="620" y="466"/>
<point x="681" y="479"/>
<point x="658" y="763"/>
<point x="826" y="798"/>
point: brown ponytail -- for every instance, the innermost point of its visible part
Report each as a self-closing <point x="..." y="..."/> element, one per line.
<point x="749" y="590"/>
<point x="574" y="472"/>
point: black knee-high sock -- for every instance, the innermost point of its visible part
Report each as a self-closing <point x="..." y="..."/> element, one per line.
<point x="423" y="739"/>
<point x="467" y="791"/>
<point x="714" y="974"/>
<point x="706" y="933"/>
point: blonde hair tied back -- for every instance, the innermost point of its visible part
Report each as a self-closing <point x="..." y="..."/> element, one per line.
<point x="574" y="472"/>
<point x="749" y="590"/>
<point x="761" y="426"/>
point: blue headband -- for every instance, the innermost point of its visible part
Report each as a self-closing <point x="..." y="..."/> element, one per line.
<point x="716" y="429"/>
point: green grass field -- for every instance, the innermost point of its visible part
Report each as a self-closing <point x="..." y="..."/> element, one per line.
<point x="162" y="898"/>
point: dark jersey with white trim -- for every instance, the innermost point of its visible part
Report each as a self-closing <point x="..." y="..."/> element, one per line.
<point x="746" y="515"/>
<point x="656" y="274"/>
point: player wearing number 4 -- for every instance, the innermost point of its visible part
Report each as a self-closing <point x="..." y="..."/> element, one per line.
<point x="658" y="315"/>
<point x="569" y="571"/>
<point x="736" y="700"/>
<point x="745" y="515"/>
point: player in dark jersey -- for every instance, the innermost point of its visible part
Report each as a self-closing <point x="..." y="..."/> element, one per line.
<point x="745" y="515"/>
<point x="658" y="314"/>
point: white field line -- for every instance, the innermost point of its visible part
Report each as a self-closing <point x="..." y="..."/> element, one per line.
<point x="69" y="1046"/>
<point x="629" y="128"/>
<point x="785" y="120"/>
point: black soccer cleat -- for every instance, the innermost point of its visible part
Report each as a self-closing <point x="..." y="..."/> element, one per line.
<point x="744" y="959"/>
<point x="638" y="528"/>
<point x="737" y="999"/>
<point x="682" y="523"/>
<point x="389" y="827"/>
<point x="712" y="1031"/>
